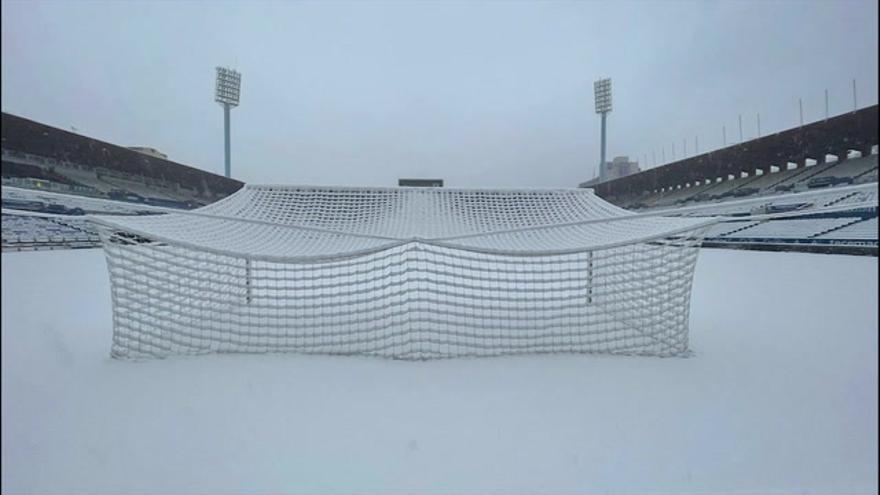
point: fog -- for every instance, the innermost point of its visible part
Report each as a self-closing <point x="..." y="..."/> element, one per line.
<point x="479" y="94"/>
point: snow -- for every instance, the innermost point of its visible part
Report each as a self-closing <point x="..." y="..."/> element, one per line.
<point x="780" y="396"/>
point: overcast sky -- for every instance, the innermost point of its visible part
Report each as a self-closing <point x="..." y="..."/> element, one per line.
<point x="480" y="94"/>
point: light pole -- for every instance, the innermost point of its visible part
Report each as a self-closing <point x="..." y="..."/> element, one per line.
<point x="801" y="109"/>
<point x="826" y="104"/>
<point x="855" y="102"/>
<point x="226" y="93"/>
<point x="602" y="92"/>
<point x="740" y="128"/>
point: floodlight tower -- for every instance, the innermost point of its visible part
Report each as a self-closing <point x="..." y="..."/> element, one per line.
<point x="602" y="90"/>
<point x="227" y="92"/>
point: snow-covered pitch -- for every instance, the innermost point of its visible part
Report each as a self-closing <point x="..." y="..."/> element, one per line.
<point x="780" y="396"/>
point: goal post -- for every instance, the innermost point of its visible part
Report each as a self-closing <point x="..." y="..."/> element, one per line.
<point x="401" y="273"/>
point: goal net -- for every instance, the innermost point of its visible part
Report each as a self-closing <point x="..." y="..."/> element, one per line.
<point x="408" y="273"/>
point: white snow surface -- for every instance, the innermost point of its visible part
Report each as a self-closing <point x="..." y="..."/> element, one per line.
<point x="779" y="397"/>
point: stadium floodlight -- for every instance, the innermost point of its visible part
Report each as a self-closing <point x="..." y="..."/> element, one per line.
<point x="227" y="92"/>
<point x="602" y="91"/>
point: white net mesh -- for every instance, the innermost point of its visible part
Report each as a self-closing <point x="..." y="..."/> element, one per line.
<point x="402" y="273"/>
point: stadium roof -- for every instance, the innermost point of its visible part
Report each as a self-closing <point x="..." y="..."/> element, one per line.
<point x="21" y="134"/>
<point x="835" y="136"/>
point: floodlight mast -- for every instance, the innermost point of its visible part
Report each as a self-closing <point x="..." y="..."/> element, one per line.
<point x="602" y="90"/>
<point x="227" y="94"/>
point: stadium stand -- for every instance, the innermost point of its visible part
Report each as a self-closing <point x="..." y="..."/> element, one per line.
<point x="850" y="169"/>
<point x="779" y="203"/>
<point x="37" y="151"/>
<point x="869" y="176"/>
<point x="52" y="177"/>
<point x="724" y="229"/>
<point x="35" y="219"/>
<point x="814" y="186"/>
<point x="833" y="220"/>
<point x="18" y="170"/>
<point x="852" y="198"/>
<point x="769" y="183"/>
<point x="33" y="200"/>
<point x="800" y="176"/>
<point x="792" y="228"/>
<point x="22" y="233"/>
<point x="748" y="168"/>
<point x="863" y="230"/>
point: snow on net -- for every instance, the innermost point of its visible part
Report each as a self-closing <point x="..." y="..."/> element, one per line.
<point x="405" y="273"/>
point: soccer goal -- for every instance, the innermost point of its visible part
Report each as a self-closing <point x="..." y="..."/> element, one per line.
<point x="407" y="273"/>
